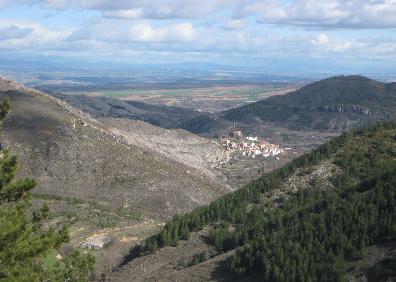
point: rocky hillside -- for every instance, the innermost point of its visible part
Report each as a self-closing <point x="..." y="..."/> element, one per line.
<point x="178" y="145"/>
<point x="339" y="103"/>
<point x="73" y="155"/>
<point x="159" y="115"/>
<point x="9" y="85"/>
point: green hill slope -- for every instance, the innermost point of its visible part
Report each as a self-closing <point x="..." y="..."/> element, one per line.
<point x="303" y="222"/>
<point x="352" y="89"/>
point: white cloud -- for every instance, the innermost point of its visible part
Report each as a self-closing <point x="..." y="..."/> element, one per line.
<point x="311" y="13"/>
<point x="30" y="35"/>
<point x="183" y="38"/>
<point x="175" y="33"/>
<point x="326" y="45"/>
<point x="329" y="13"/>
<point x="321" y="40"/>
<point x="136" y="32"/>
<point x="209" y="28"/>
<point x="359" y="49"/>
<point x="160" y="9"/>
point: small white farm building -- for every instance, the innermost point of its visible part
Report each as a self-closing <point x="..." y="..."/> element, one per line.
<point x="96" y="243"/>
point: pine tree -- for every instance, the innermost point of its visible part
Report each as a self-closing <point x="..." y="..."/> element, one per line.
<point x="23" y="240"/>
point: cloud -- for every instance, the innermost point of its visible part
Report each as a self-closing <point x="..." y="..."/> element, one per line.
<point x="22" y="35"/>
<point x="183" y="38"/>
<point x="374" y="48"/>
<point x="13" y="32"/>
<point x="329" y="13"/>
<point x="326" y="45"/>
<point x="306" y="13"/>
<point x="138" y="9"/>
<point x="84" y="4"/>
<point x="206" y="29"/>
<point x="137" y="32"/>
<point x="321" y="40"/>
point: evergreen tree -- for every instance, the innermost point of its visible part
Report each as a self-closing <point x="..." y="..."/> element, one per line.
<point x="24" y="242"/>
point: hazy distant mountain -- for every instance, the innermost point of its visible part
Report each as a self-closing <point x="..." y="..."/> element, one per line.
<point x="339" y="102"/>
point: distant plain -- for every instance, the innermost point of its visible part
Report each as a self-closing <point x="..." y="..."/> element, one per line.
<point x="203" y="98"/>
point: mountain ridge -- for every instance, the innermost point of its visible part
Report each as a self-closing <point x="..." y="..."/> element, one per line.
<point x="338" y="103"/>
<point x="352" y="89"/>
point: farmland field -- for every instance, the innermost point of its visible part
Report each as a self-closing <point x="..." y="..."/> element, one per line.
<point x="210" y="99"/>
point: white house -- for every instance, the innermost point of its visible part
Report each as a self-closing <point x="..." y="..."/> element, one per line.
<point x="96" y="243"/>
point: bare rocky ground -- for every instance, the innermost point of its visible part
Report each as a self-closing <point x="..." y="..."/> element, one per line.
<point x="182" y="146"/>
<point x="8" y="85"/>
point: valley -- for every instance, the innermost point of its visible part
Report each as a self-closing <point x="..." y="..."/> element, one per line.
<point x="95" y="176"/>
<point x="120" y="167"/>
<point x="197" y="140"/>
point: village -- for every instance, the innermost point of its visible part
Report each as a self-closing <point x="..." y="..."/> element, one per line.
<point x="250" y="146"/>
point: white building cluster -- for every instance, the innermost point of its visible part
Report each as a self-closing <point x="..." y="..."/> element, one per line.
<point x="252" y="147"/>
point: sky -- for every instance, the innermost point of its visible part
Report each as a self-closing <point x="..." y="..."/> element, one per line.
<point x="343" y="35"/>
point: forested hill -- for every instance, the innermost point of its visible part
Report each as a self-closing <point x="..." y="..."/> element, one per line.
<point x="307" y="220"/>
<point x="339" y="90"/>
<point x="339" y="102"/>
